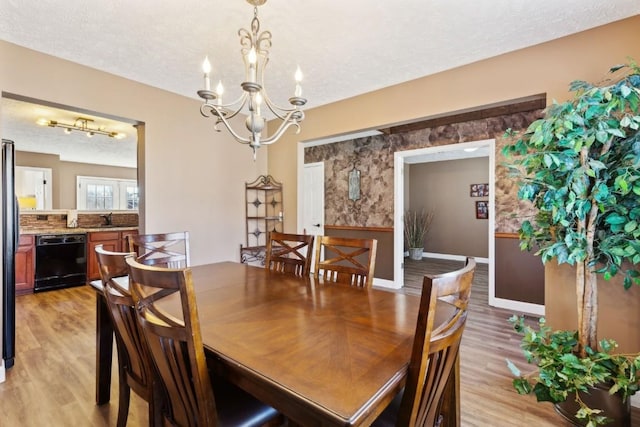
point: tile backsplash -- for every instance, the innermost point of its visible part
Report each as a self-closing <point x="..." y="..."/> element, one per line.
<point x="46" y="221"/>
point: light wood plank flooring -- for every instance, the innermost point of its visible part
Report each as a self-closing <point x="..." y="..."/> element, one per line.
<point x="487" y="397"/>
<point x="53" y="384"/>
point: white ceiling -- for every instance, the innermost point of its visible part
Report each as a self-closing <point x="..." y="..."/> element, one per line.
<point x="345" y="48"/>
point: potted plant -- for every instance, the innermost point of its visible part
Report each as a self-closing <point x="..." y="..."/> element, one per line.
<point x="416" y="227"/>
<point x="579" y="167"/>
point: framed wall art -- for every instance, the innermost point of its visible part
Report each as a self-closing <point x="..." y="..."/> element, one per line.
<point x="479" y="190"/>
<point x="482" y="209"/>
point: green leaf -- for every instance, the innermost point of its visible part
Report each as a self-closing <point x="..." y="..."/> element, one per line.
<point x="522" y="386"/>
<point x="616" y="132"/>
<point x="625" y="122"/>
<point x="615" y="219"/>
<point x="630" y="226"/>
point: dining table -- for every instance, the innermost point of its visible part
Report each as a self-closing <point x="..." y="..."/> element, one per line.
<point x="323" y="354"/>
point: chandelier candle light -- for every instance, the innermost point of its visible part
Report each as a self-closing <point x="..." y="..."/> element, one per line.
<point x="255" y="53"/>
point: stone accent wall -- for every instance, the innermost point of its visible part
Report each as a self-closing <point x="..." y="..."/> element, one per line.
<point x="373" y="156"/>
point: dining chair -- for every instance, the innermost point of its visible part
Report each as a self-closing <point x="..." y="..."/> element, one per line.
<point x="346" y="260"/>
<point x="289" y="253"/>
<point x="161" y="250"/>
<point x="434" y="364"/>
<point x="176" y="347"/>
<point x="135" y="367"/>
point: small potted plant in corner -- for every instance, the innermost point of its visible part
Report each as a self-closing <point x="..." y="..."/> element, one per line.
<point x="579" y="166"/>
<point x="416" y="227"/>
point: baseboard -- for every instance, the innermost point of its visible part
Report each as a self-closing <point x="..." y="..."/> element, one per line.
<point x="2" y="376"/>
<point x="450" y="257"/>
<point x="517" y="306"/>
<point x="384" y="283"/>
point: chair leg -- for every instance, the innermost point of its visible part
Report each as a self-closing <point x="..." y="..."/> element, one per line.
<point x="123" y="403"/>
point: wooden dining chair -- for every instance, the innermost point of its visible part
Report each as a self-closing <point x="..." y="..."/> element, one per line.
<point x="176" y="347"/>
<point x="135" y="367"/>
<point x="434" y="358"/>
<point x="346" y="260"/>
<point x="289" y="253"/>
<point x="161" y="250"/>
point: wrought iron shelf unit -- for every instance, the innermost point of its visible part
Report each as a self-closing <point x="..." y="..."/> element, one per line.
<point x="263" y="203"/>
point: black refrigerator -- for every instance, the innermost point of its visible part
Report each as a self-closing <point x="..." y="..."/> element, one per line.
<point x="10" y="236"/>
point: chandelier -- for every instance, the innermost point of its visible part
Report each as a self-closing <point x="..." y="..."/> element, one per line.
<point x="255" y="54"/>
<point x="81" y="124"/>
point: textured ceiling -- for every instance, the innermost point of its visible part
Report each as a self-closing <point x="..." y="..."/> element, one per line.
<point x="344" y="48"/>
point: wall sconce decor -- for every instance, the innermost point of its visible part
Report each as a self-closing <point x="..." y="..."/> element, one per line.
<point x="354" y="184"/>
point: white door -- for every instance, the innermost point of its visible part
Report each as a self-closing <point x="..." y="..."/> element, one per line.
<point x="312" y="199"/>
<point x="33" y="188"/>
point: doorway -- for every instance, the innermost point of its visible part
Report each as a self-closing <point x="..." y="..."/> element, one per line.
<point x="68" y="141"/>
<point x="476" y="149"/>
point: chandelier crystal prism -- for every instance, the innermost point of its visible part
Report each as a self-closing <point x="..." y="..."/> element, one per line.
<point x="255" y="47"/>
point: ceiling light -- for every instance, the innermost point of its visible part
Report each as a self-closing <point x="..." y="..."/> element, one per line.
<point x="81" y="124"/>
<point x="255" y="53"/>
<point x="470" y="150"/>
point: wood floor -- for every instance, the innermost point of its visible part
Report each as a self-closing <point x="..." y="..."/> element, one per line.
<point x="487" y="397"/>
<point x="53" y="384"/>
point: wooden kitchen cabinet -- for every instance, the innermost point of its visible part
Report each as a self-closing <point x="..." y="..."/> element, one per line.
<point x="110" y="241"/>
<point x="25" y="271"/>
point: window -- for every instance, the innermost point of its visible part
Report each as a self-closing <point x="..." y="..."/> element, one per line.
<point x="132" y="196"/>
<point x="100" y="194"/>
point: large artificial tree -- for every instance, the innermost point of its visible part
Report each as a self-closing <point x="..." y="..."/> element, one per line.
<point x="579" y="167"/>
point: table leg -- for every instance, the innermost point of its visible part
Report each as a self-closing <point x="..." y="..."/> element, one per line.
<point x="104" y="351"/>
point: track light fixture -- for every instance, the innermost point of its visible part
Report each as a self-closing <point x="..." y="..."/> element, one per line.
<point x="81" y="124"/>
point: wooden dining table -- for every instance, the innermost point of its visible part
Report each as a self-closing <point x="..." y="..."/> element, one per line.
<point x="323" y="354"/>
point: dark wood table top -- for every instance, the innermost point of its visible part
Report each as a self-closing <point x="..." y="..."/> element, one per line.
<point x="323" y="354"/>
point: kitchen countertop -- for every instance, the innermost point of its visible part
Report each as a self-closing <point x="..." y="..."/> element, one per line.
<point x="78" y="230"/>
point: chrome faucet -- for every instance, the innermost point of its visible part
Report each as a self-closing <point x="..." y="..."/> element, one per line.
<point x="107" y="218"/>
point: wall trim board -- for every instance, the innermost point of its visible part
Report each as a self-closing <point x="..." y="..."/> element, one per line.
<point x="358" y="228"/>
<point x="450" y="257"/>
<point x="507" y="236"/>
<point x="511" y="106"/>
<point x="384" y="283"/>
<point x="517" y="306"/>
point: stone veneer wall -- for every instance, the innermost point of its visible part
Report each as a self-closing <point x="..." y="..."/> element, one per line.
<point x="44" y="222"/>
<point x="373" y="156"/>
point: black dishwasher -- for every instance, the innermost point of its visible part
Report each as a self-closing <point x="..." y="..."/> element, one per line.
<point x="61" y="261"/>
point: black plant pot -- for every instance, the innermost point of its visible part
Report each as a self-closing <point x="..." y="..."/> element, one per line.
<point x="598" y="398"/>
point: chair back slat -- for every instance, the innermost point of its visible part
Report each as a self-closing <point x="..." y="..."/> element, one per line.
<point x="435" y="347"/>
<point x="289" y="253"/>
<point x="175" y="342"/>
<point x="346" y="260"/>
<point x="169" y="250"/>
<point x="133" y="353"/>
